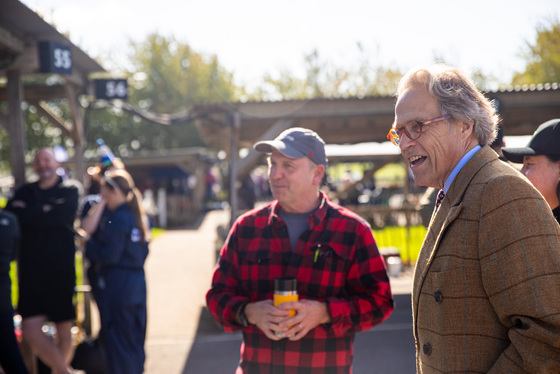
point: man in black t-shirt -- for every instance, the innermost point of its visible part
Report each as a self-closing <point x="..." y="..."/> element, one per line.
<point x="46" y="210"/>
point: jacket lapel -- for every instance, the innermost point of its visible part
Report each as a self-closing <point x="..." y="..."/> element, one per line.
<point x="448" y="211"/>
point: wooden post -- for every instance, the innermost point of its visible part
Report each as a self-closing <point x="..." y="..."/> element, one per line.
<point x="235" y="124"/>
<point x="77" y="132"/>
<point x="16" y="126"/>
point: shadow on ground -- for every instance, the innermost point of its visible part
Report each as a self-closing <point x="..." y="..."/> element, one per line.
<point x="386" y="349"/>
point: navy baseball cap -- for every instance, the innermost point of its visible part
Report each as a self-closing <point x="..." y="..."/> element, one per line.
<point x="545" y="141"/>
<point x="296" y="142"/>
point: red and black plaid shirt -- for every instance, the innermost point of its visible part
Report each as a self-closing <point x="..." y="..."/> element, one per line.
<point x="348" y="274"/>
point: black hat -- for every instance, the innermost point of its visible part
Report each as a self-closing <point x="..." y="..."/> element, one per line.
<point x="545" y="141"/>
<point x="296" y="142"/>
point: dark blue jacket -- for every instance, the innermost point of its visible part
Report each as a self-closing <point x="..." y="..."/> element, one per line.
<point x="117" y="242"/>
<point x="117" y="251"/>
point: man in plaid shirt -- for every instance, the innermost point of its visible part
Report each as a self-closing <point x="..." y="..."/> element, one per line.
<point x="342" y="282"/>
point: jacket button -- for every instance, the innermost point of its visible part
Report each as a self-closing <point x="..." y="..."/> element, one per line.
<point x="427" y="348"/>
<point x="438" y="296"/>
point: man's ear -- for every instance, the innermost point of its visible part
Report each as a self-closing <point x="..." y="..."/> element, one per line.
<point x="467" y="128"/>
<point x="318" y="172"/>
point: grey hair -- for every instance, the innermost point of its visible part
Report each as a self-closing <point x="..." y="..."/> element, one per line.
<point x="457" y="96"/>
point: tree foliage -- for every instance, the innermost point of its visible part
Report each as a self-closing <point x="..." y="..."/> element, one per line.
<point x="542" y="56"/>
<point x="175" y="76"/>
<point x="166" y="76"/>
<point x="323" y="79"/>
<point x="38" y="131"/>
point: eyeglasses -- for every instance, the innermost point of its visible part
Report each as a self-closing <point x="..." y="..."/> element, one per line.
<point x="412" y="129"/>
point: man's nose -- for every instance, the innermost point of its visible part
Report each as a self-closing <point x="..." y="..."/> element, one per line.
<point x="405" y="142"/>
<point x="274" y="173"/>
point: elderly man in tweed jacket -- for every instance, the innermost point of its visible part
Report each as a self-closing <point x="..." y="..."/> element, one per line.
<point x="486" y="295"/>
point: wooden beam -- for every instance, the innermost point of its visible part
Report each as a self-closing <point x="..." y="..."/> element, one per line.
<point x="76" y="79"/>
<point x="52" y="117"/>
<point x="76" y="114"/>
<point x="16" y="126"/>
<point x="235" y="125"/>
<point x="35" y="92"/>
<point x="5" y="120"/>
<point x="10" y="41"/>
<point x="28" y="60"/>
<point x="318" y="108"/>
<point x="77" y="132"/>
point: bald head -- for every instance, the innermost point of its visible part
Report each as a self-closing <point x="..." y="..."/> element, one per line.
<point x="45" y="165"/>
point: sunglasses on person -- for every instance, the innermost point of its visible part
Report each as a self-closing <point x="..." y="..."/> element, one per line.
<point x="412" y="129"/>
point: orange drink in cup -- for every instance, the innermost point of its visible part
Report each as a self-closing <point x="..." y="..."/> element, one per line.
<point x="285" y="290"/>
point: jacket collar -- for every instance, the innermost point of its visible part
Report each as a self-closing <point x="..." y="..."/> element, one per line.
<point x="463" y="179"/>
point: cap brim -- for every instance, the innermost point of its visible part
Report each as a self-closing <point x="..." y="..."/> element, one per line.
<point x="516" y="154"/>
<point x="268" y="145"/>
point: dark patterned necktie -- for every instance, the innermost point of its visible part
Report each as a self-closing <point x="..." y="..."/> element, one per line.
<point x="439" y="199"/>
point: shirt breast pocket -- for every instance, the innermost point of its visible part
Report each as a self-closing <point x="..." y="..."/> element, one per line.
<point x="255" y="269"/>
<point x="329" y="266"/>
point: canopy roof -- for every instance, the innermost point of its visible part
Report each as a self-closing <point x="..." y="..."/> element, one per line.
<point x="357" y="120"/>
<point x="20" y="31"/>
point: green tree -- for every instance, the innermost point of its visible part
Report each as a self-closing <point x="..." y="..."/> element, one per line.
<point x="486" y="82"/>
<point x="166" y="77"/>
<point x="542" y="56"/>
<point x="323" y="79"/>
<point x="39" y="132"/>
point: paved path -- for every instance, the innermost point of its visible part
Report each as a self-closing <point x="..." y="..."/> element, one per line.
<point x="182" y="338"/>
<point x="178" y="273"/>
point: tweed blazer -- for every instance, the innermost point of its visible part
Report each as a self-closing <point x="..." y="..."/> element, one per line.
<point x="486" y="295"/>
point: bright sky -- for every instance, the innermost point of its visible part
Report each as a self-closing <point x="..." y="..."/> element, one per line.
<point x="254" y="37"/>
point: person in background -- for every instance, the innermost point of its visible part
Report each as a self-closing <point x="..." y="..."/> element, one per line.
<point x="119" y="247"/>
<point x="89" y="203"/>
<point x="486" y="289"/>
<point x="541" y="162"/>
<point x="11" y="360"/>
<point x="499" y="143"/>
<point x="96" y="174"/>
<point x="107" y="162"/>
<point x="46" y="210"/>
<point x="342" y="282"/>
<point x="247" y="194"/>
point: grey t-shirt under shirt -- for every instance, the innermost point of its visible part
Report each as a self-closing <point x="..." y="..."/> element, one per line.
<point x="297" y="224"/>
